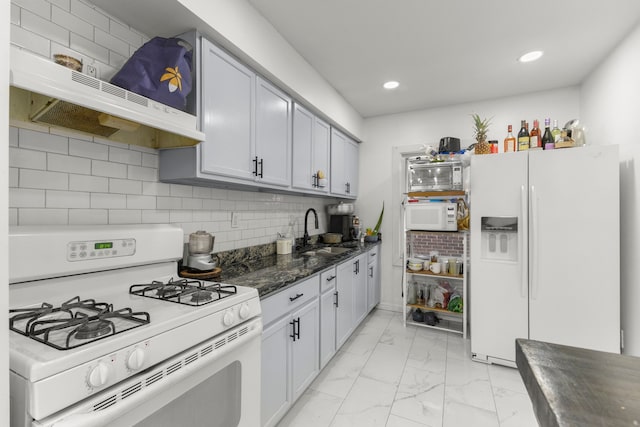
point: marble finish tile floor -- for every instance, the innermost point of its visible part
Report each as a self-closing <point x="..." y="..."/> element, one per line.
<point x="390" y="376"/>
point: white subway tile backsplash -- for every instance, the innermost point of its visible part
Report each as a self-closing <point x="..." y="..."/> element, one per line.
<point x="123" y="155"/>
<point x="13" y="216"/>
<point x="67" y="199"/>
<point x="141" y="202"/>
<point x="178" y="190"/>
<point x="39" y="7"/>
<point x="13" y="177"/>
<point x="93" y="184"/>
<point x="105" y="39"/>
<point x="90" y="14"/>
<point x="124" y="33"/>
<point x="43" y="141"/>
<point x="26" y="198"/>
<point x="150" y="160"/>
<point x="44" y="27"/>
<point x="193" y="204"/>
<point x="88" y="47"/>
<point x="43" y="179"/>
<point x="90" y="150"/>
<point x="116" y="60"/>
<point x="13" y="136"/>
<point x="15" y="14"/>
<point x="227" y="205"/>
<point x="155" y="216"/>
<point x="125" y="216"/>
<point x="62" y="4"/>
<point x="168" y="202"/>
<point x="29" y="216"/>
<point x="30" y="41"/>
<point x="63" y="163"/>
<point x="142" y="173"/>
<point x="156" y="189"/>
<point x="88" y="216"/>
<point x="202" y="192"/>
<point x="30" y="159"/>
<point x="180" y="216"/>
<point x="72" y="23"/>
<point x="111" y="170"/>
<point x="202" y="216"/>
<point x="108" y="201"/>
<point x="211" y="204"/>
<point x="125" y="186"/>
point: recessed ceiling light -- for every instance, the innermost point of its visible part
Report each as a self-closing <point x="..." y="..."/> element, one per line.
<point x="531" y="56"/>
<point x="391" y="85"/>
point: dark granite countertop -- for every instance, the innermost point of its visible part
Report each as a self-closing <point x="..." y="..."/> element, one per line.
<point x="272" y="273"/>
<point x="571" y="386"/>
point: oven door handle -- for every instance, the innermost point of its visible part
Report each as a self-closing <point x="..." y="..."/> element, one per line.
<point x="107" y="416"/>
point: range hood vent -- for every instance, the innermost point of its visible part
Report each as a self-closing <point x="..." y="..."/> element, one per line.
<point x="45" y="92"/>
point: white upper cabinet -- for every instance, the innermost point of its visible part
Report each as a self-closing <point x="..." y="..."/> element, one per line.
<point x="311" y="138"/>
<point x="344" y="165"/>
<point x="227" y="114"/>
<point x="273" y="135"/>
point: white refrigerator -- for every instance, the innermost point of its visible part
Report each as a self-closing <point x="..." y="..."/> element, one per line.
<point x="545" y="250"/>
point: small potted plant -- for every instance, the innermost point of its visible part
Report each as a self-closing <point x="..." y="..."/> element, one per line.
<point x="480" y="130"/>
<point x="373" y="235"/>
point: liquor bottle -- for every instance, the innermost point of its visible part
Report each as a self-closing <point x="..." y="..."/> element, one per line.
<point x="534" y="136"/>
<point x="509" y="141"/>
<point x="548" y="143"/>
<point x="523" y="136"/>
<point x="555" y="132"/>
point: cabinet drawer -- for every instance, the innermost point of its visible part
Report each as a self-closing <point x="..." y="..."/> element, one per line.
<point x="327" y="279"/>
<point x="289" y="299"/>
<point x="372" y="255"/>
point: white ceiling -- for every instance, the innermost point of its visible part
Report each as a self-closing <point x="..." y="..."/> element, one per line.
<point x="449" y="51"/>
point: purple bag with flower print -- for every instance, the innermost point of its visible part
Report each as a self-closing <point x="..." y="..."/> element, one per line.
<point x="160" y="70"/>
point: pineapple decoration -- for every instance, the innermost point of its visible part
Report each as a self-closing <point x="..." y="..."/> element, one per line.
<point x="480" y="129"/>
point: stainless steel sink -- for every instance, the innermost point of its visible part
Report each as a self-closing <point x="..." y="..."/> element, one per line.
<point x="328" y="251"/>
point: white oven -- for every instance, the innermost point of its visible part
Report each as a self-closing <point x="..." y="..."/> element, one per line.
<point x="171" y="360"/>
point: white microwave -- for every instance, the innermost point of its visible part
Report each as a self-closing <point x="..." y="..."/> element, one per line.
<point x="431" y="216"/>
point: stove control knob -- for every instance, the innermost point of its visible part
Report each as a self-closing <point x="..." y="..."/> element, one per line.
<point x="135" y="360"/>
<point x="244" y="311"/>
<point x="99" y="375"/>
<point x="228" y="318"/>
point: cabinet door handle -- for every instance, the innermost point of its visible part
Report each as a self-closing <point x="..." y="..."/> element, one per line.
<point x="370" y="271"/>
<point x="295" y="298"/>
<point x="293" y="330"/>
<point x="255" y="166"/>
<point x="261" y="167"/>
<point x="314" y="180"/>
<point x="330" y="278"/>
<point x="336" y="299"/>
<point x="298" y="323"/>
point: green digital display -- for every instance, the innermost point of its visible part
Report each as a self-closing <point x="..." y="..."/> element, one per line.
<point x="103" y="245"/>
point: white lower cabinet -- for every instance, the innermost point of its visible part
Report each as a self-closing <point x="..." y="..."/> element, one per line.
<point x="328" y="311"/>
<point x="373" y="278"/>
<point x="290" y="347"/>
<point x="351" y="298"/>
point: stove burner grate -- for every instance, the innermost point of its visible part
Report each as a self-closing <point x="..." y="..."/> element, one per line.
<point x="184" y="291"/>
<point x="74" y="323"/>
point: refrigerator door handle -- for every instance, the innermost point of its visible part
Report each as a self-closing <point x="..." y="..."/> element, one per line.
<point x="523" y="264"/>
<point x="534" y="244"/>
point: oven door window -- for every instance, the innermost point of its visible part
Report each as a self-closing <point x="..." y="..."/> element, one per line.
<point x="214" y="403"/>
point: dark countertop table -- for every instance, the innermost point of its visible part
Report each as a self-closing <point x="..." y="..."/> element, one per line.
<point x="274" y="273"/>
<point x="571" y="386"/>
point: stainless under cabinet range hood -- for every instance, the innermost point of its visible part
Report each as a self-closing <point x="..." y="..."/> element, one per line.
<point x="48" y="93"/>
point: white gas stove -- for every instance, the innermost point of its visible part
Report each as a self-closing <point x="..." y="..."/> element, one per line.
<point x="101" y="325"/>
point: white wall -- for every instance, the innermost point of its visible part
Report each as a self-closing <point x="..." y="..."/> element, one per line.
<point x="427" y="127"/>
<point x="610" y="104"/>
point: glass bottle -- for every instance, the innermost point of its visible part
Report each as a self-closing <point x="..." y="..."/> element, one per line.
<point x="548" y="143"/>
<point x="534" y="136"/>
<point x="523" y="136"/>
<point x="509" y="141"/>
<point x="555" y="132"/>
